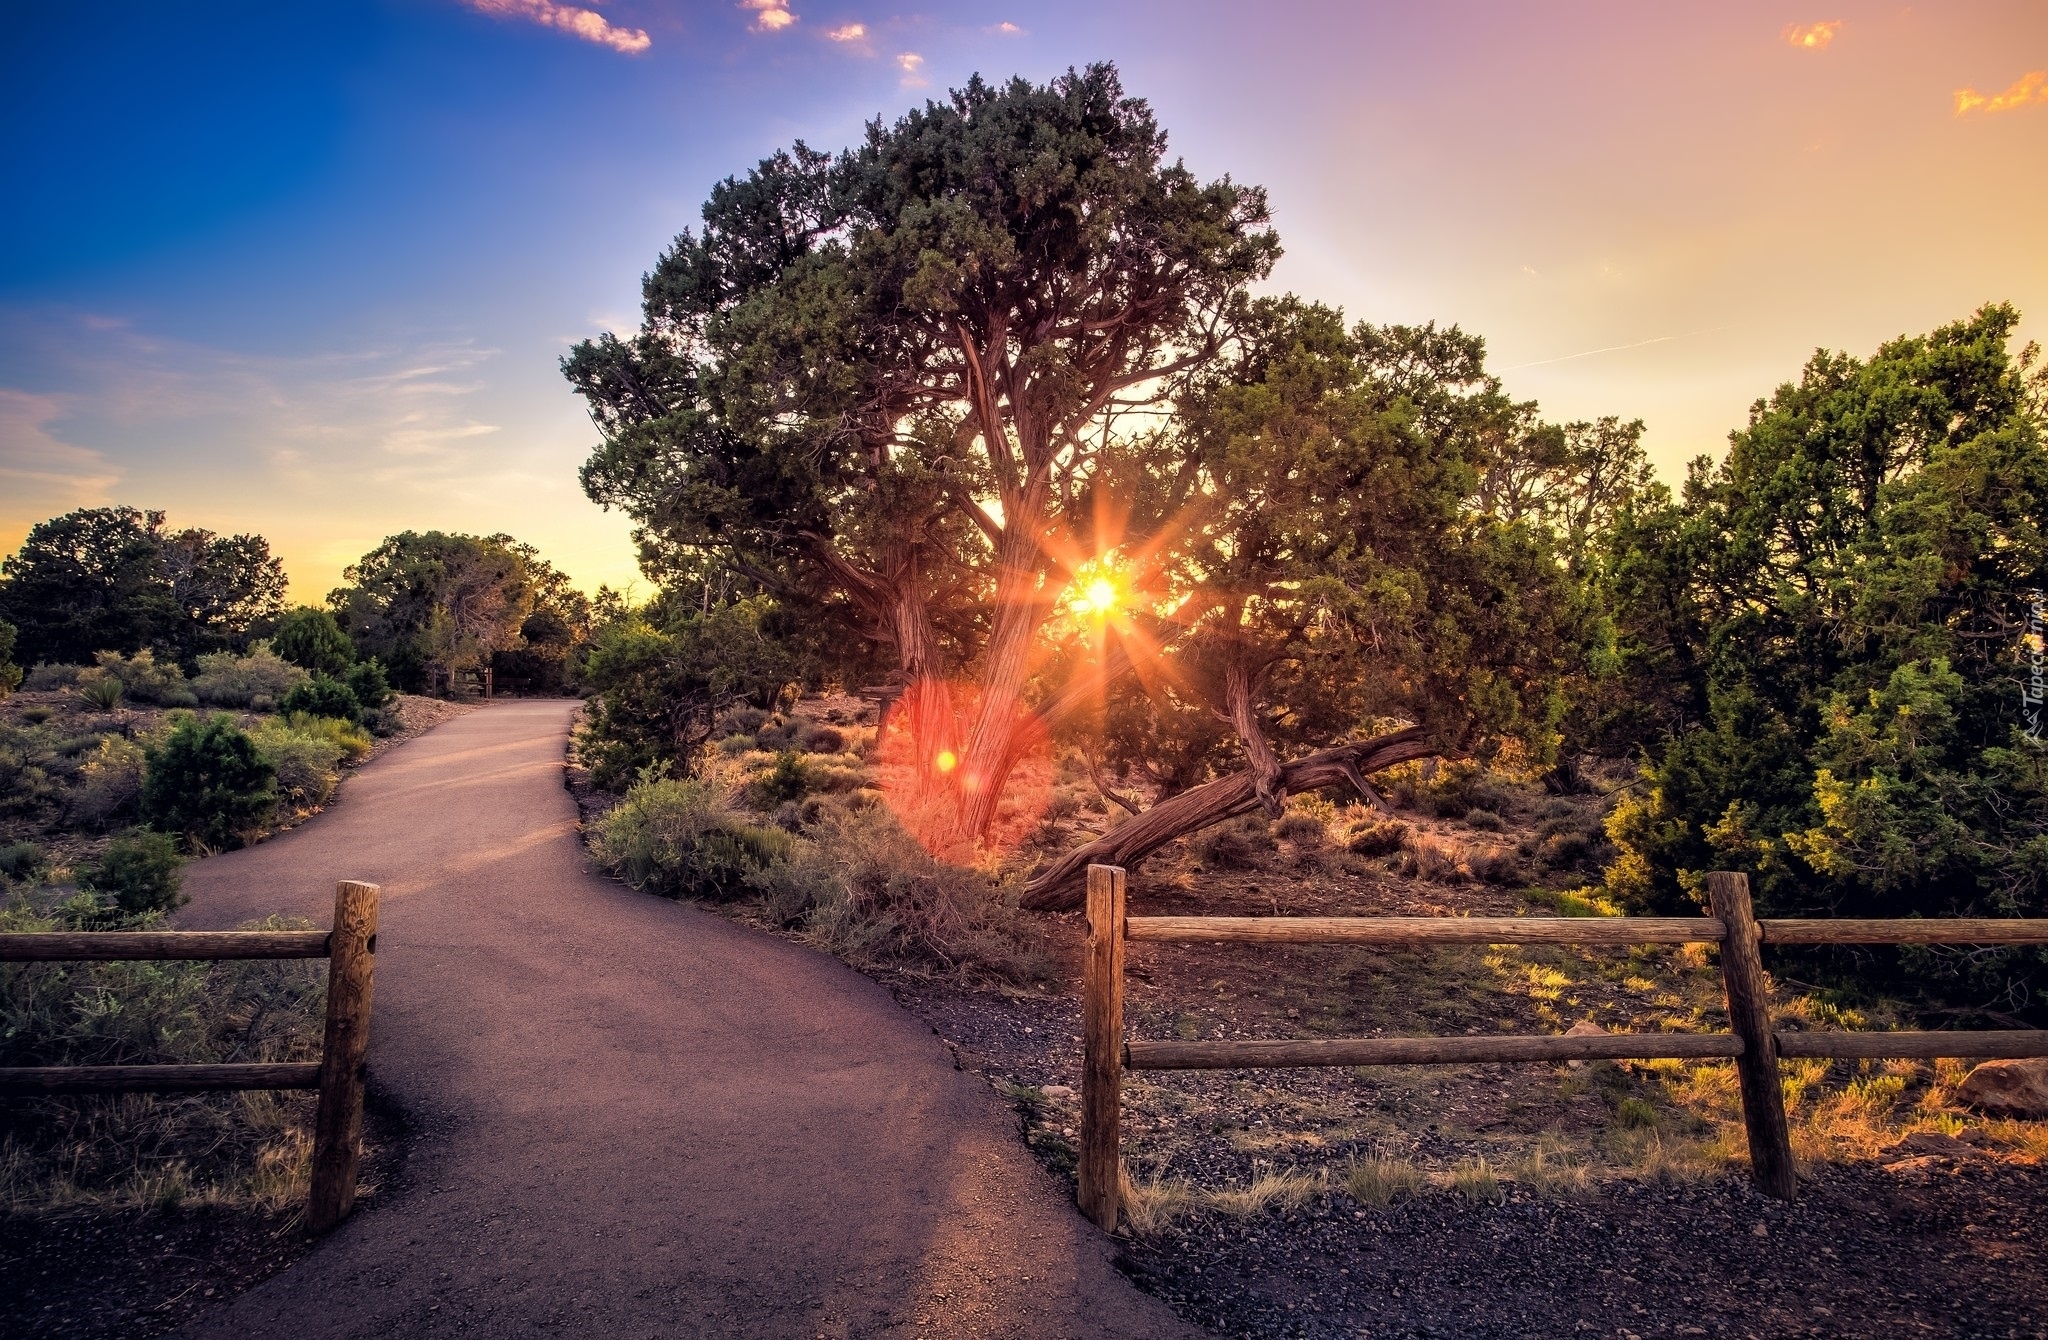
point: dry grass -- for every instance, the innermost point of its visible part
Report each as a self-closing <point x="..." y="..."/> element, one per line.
<point x="1152" y="1205"/>
<point x="1379" y="1181"/>
<point x="1555" y="1167"/>
<point x="1474" y="1179"/>
<point x="1288" y="1190"/>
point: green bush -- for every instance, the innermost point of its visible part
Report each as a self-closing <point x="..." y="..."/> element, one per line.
<point x="790" y="780"/>
<point x="367" y="681"/>
<point x="306" y="763"/>
<point x="322" y="697"/>
<point x="353" y="741"/>
<point x="682" y="839"/>
<point x="311" y="639"/>
<point x="258" y="680"/>
<point x="1377" y="837"/>
<point x="146" y="679"/>
<point x="208" y="783"/>
<point x="139" y="872"/>
<point x="101" y="691"/>
<point x="109" y="786"/>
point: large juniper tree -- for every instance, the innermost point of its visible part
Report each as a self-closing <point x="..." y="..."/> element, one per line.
<point x="885" y="376"/>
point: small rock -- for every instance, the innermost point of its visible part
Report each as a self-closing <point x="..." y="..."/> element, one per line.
<point x="2008" y="1088"/>
<point x="1058" y="1091"/>
<point x="1933" y="1144"/>
<point x="1584" y="1028"/>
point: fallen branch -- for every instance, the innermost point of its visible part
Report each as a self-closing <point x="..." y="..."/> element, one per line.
<point x="1059" y="887"/>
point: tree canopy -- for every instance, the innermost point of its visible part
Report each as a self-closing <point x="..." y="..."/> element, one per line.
<point x="115" y="579"/>
<point x="881" y="378"/>
<point x="1836" y="618"/>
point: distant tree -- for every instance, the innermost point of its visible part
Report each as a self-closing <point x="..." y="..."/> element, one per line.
<point x="10" y="673"/>
<point x="434" y="605"/>
<point x="883" y="378"/>
<point x="226" y="589"/>
<point x="310" y="638"/>
<point x="1836" y="619"/>
<point x="87" y="581"/>
<point x="113" y="579"/>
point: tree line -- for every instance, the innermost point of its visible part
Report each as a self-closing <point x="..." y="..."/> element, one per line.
<point x="431" y="609"/>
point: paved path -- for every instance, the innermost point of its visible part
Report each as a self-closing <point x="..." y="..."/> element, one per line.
<point x="635" y="1119"/>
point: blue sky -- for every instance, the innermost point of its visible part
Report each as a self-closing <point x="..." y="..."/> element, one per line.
<point x="306" y="269"/>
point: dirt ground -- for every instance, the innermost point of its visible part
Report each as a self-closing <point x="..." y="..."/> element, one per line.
<point x="1606" y="1199"/>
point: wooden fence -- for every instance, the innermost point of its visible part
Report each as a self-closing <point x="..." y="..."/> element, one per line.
<point x="1750" y="1041"/>
<point x="350" y="950"/>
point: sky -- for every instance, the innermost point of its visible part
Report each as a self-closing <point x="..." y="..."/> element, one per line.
<point x="307" y="269"/>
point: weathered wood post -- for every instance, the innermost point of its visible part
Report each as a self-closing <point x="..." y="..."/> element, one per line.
<point x="1102" y="1047"/>
<point x="338" y="1122"/>
<point x="1749" y="1018"/>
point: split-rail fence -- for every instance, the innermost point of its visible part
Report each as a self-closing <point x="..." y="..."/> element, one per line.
<point x="1750" y="1042"/>
<point x="350" y="950"/>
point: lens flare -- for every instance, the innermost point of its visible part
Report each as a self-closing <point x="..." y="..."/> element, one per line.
<point x="946" y="761"/>
<point x="1100" y="597"/>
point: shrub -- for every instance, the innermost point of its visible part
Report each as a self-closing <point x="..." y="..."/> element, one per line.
<point x="1241" y="844"/>
<point x="1377" y="837"/>
<point x="109" y="783"/>
<point x="321" y="697"/>
<point x="311" y="639"/>
<point x="47" y="678"/>
<point x="305" y="762"/>
<point x="21" y="861"/>
<point x="367" y="681"/>
<point x="147" y="1149"/>
<point x="681" y="838"/>
<point x="1302" y="829"/>
<point x="208" y="783"/>
<point x="791" y="780"/>
<point x="1486" y="821"/>
<point x="815" y="739"/>
<point x="353" y="741"/>
<point x="101" y="691"/>
<point x="859" y="886"/>
<point x="743" y="721"/>
<point x="258" y="680"/>
<point x="145" y="679"/>
<point x="139" y="872"/>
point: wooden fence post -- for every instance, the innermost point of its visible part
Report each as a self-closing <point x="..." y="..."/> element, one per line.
<point x="1102" y="1047"/>
<point x="338" y="1123"/>
<point x="1749" y="1018"/>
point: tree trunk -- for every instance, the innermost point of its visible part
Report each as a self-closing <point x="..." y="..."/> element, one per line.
<point x="927" y="701"/>
<point x="1244" y="715"/>
<point x="1059" y="888"/>
<point x="992" y="746"/>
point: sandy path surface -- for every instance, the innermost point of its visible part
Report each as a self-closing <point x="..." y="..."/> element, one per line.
<point x="635" y="1119"/>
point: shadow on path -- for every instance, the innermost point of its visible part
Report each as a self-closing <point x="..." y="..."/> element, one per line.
<point x="636" y="1119"/>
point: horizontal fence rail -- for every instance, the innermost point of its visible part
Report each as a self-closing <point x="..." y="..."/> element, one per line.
<point x="349" y="949"/>
<point x="83" y="946"/>
<point x="1751" y="1042"/>
<point x="21" y="1081"/>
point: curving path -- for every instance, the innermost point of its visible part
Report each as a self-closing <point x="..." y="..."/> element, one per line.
<point x="636" y="1119"/>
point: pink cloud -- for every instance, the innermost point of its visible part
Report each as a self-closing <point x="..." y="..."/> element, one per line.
<point x="587" y="24"/>
<point x="771" y="16"/>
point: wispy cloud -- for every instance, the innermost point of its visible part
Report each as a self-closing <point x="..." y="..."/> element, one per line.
<point x="1008" y="29"/>
<point x="770" y="16"/>
<point x="587" y="24"/>
<point x="1812" y="36"/>
<point x="40" y="475"/>
<point x="910" y="63"/>
<point x="2030" y="89"/>
<point x="848" y="32"/>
